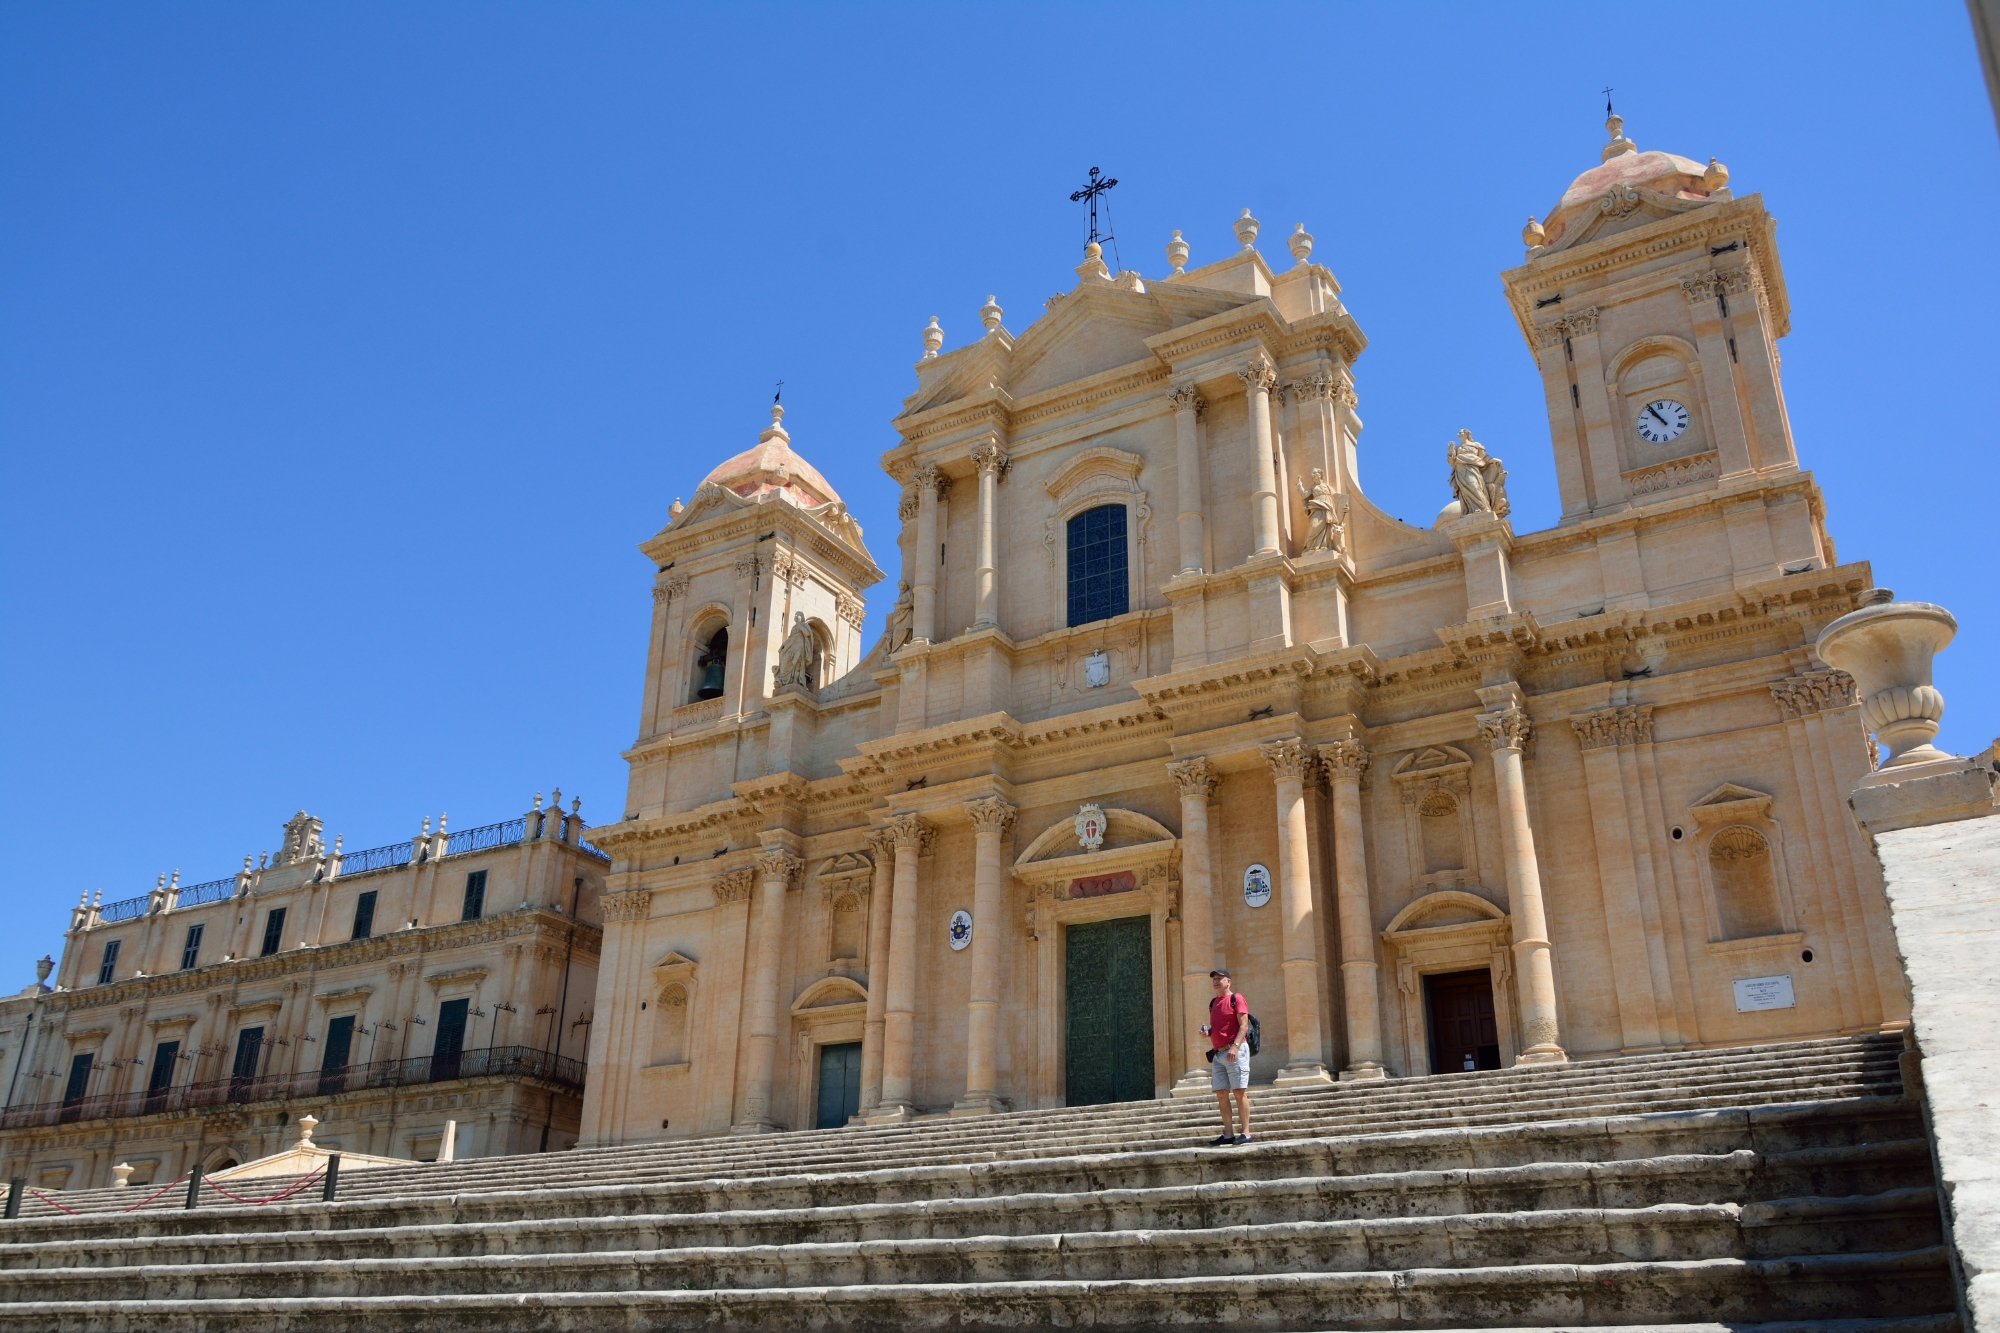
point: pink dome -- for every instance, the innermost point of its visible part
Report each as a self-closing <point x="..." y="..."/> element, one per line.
<point x="773" y="466"/>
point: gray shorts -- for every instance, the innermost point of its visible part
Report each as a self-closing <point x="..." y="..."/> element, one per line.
<point x="1225" y="1073"/>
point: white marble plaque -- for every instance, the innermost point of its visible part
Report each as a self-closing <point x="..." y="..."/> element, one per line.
<point x="1758" y="993"/>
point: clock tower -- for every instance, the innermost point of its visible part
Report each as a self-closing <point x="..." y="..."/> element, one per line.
<point x="1653" y="301"/>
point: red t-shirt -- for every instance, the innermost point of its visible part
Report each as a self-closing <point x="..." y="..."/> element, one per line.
<point x="1224" y="1020"/>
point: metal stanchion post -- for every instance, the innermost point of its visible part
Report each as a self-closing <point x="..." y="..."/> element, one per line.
<point x="17" y="1190"/>
<point x="331" y="1185"/>
<point x="194" y="1186"/>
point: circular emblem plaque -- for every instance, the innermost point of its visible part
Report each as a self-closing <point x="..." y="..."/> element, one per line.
<point x="961" y="929"/>
<point x="1257" y="885"/>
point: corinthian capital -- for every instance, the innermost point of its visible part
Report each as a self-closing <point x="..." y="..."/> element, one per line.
<point x="732" y="886"/>
<point x="910" y="832"/>
<point x="1258" y="374"/>
<point x="988" y="456"/>
<point x="991" y="814"/>
<point x="1813" y="692"/>
<point x="1613" y="726"/>
<point x="929" y="478"/>
<point x="1193" y="777"/>
<point x="634" y="905"/>
<point x="775" y="863"/>
<point x="1345" y="760"/>
<point x="1186" y="398"/>
<point x="1507" y="729"/>
<point x="1288" y="759"/>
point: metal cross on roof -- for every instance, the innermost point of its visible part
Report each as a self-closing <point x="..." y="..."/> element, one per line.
<point x="1098" y="185"/>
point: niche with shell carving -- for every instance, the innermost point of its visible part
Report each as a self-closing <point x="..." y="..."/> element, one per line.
<point x="1741" y="857"/>
<point x="844" y="882"/>
<point x="672" y="1009"/>
<point x="1434" y="786"/>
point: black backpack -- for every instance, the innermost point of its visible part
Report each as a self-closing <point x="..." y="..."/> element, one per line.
<point x="1256" y="1034"/>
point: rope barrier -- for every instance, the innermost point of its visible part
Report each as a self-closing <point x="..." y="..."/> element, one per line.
<point x="53" y="1204"/>
<point x="285" y="1193"/>
<point x="154" y="1195"/>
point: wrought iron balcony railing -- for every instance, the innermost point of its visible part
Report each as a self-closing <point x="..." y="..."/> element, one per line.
<point x="518" y="1062"/>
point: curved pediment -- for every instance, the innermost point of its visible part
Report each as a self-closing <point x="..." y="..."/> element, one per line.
<point x="1123" y="830"/>
<point x="1445" y="908"/>
<point x="829" y="993"/>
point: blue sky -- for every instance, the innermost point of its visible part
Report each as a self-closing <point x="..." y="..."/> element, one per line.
<point x="346" y="352"/>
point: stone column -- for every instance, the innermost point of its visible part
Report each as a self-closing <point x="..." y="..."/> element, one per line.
<point x="776" y="866"/>
<point x="899" y="1017"/>
<point x="883" y="847"/>
<point x="1507" y="730"/>
<point x="1345" y="762"/>
<point x="1631" y="926"/>
<point x="992" y="817"/>
<point x="1188" y="404"/>
<point x="745" y="663"/>
<point x="1197" y="782"/>
<point x="931" y="487"/>
<point x="1259" y="378"/>
<point x="1304" y="1061"/>
<point x="992" y="462"/>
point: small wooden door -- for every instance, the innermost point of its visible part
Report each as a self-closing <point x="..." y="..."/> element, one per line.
<point x="839" y="1084"/>
<point x="1463" y="1033"/>
<point x="1108" y="1012"/>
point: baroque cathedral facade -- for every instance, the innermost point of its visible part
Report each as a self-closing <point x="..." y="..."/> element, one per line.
<point x="1162" y="690"/>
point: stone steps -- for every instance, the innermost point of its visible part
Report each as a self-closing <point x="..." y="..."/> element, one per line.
<point x="1787" y="1183"/>
<point x="1892" y="1168"/>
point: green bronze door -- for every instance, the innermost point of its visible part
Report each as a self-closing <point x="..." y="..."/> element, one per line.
<point x="1108" y="1006"/>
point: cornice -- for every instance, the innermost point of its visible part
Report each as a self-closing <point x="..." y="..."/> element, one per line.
<point x="538" y="924"/>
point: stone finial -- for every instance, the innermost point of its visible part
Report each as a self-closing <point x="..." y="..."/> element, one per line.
<point x="576" y="805"/>
<point x="933" y="339"/>
<point x="121" y="1176"/>
<point x="427" y="827"/>
<point x="675" y="510"/>
<point x="1301" y="244"/>
<point x="1887" y="646"/>
<point x="1177" y="254"/>
<point x="1715" y="177"/>
<point x="1619" y="143"/>
<point x="338" y="838"/>
<point x="441" y="819"/>
<point x="990" y="315"/>
<point x="174" y="881"/>
<point x="555" y="799"/>
<point x="1532" y="235"/>
<point x="1246" y="230"/>
<point x="97" y="898"/>
<point x="1093" y="268"/>
<point x="159" y="881"/>
<point x="538" y="800"/>
<point x="776" y="430"/>
<point x="307" y="1124"/>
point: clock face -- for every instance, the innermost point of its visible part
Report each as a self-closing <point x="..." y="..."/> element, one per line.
<point x="1662" y="421"/>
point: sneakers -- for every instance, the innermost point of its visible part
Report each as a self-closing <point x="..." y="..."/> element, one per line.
<point x="1242" y="1139"/>
<point x="1221" y="1141"/>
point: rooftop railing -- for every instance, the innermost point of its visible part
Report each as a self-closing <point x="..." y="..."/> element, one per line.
<point x="513" y="1062"/>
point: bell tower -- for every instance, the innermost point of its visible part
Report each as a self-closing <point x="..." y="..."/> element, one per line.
<point x="1653" y="301"/>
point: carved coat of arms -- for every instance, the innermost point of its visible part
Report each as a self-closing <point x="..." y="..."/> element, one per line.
<point x="1090" y="827"/>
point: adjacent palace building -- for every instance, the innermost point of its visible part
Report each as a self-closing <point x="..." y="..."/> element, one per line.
<point x="1161" y="690"/>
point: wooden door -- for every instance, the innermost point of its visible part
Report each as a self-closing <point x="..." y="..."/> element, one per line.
<point x="1463" y="1033"/>
<point x="1108" y="1012"/>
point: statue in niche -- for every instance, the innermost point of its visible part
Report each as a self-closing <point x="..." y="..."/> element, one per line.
<point x="901" y="617"/>
<point x="302" y="840"/>
<point x="795" y="658"/>
<point x="1478" y="481"/>
<point x="1323" y="532"/>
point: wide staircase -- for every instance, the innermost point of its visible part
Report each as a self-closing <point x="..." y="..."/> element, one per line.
<point x="1773" y="1187"/>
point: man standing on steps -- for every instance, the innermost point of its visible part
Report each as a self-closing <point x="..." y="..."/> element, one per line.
<point x="1228" y="1033"/>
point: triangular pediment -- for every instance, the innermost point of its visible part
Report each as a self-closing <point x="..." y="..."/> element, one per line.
<point x="1729" y="793"/>
<point x="674" y="960"/>
<point x="1092" y="330"/>
<point x="1622" y="210"/>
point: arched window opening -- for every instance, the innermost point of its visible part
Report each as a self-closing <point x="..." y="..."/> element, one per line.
<point x="709" y="663"/>
<point x="1746" y="883"/>
<point x="1437" y="819"/>
<point x="1099" y="577"/>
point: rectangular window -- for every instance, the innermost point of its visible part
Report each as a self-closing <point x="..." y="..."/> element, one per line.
<point x="1099" y="579"/>
<point x="334" y="1054"/>
<point x="274" y="932"/>
<point x="191" y="951"/>
<point x="364" y="916"/>
<point x="475" y="896"/>
<point x="249" y="1046"/>
<point x="165" y="1056"/>
<point x="79" y="1076"/>
<point x="450" y="1042"/>
<point x="109" y="966"/>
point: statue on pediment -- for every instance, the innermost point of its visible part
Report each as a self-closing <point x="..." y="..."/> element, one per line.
<point x="1323" y="531"/>
<point x="1478" y="481"/>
